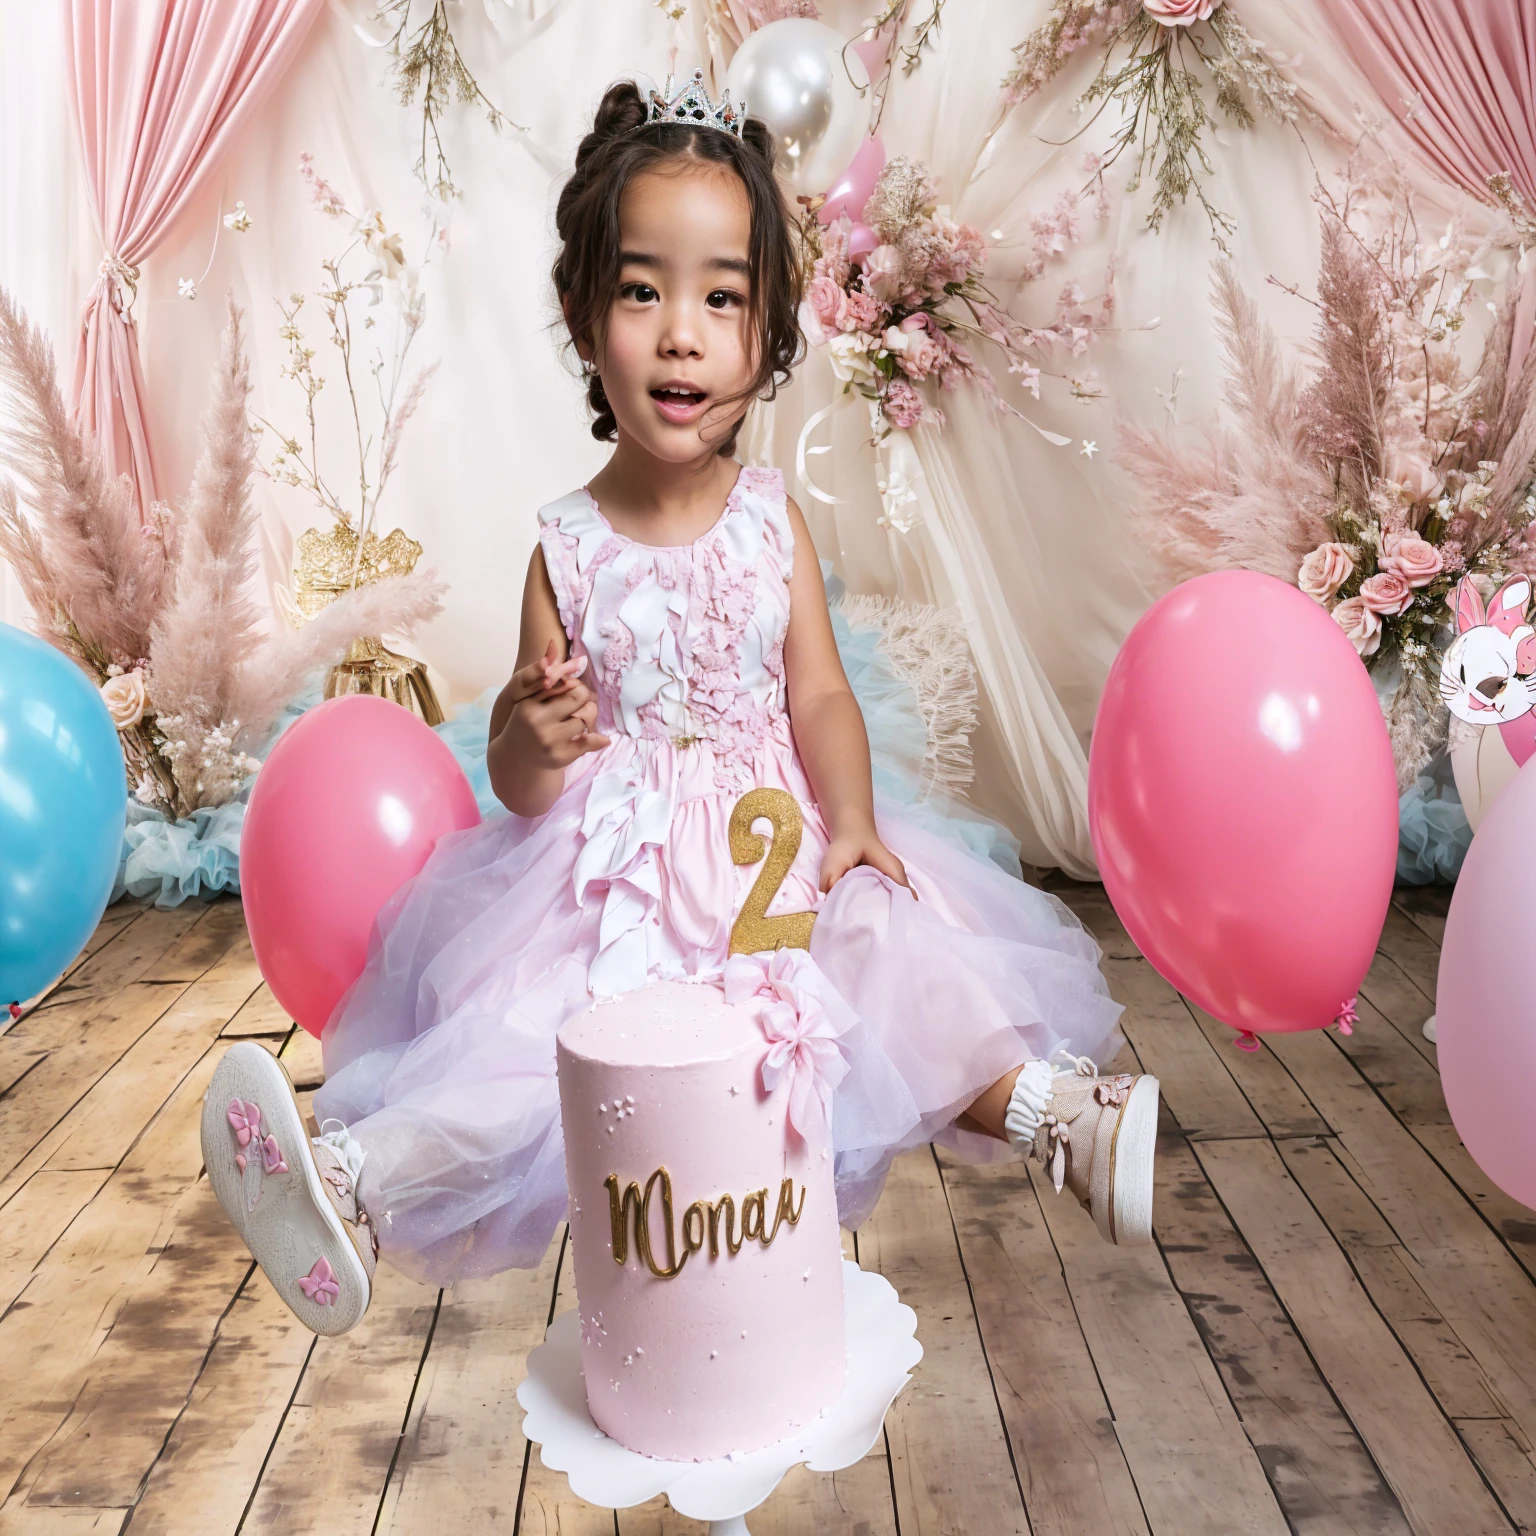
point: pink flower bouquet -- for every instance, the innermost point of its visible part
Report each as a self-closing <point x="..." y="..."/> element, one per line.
<point x="901" y="319"/>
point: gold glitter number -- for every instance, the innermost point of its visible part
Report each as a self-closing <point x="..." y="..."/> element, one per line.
<point x="754" y="931"/>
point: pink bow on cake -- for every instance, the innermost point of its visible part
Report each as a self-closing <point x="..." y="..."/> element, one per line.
<point x="802" y="1015"/>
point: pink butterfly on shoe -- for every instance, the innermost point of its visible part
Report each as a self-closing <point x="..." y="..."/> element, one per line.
<point x="319" y="1285"/>
<point x="272" y="1157"/>
<point x="246" y="1121"/>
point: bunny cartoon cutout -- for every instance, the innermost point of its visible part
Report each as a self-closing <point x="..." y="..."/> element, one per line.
<point x="1486" y="679"/>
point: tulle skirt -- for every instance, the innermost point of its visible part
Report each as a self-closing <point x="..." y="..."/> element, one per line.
<point x="441" y="1058"/>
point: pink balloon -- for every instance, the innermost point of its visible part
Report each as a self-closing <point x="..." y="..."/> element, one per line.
<point x="346" y="808"/>
<point x="1486" y="995"/>
<point x="872" y="54"/>
<point x="851" y="190"/>
<point x="1243" y="803"/>
<point x="861" y="241"/>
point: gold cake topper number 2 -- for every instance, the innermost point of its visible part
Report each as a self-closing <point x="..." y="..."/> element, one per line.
<point x="754" y="931"/>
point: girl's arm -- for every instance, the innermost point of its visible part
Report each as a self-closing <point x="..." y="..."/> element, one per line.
<point x="542" y="720"/>
<point x="827" y="722"/>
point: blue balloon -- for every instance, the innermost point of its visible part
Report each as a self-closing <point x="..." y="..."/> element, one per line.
<point x="63" y="802"/>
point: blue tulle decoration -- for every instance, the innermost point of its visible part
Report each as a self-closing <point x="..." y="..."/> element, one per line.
<point x="175" y="860"/>
<point x="200" y="855"/>
<point x="467" y="735"/>
<point x="1432" y="828"/>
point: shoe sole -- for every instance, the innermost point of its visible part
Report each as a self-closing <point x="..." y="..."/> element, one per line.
<point x="293" y="1224"/>
<point x="1130" y="1170"/>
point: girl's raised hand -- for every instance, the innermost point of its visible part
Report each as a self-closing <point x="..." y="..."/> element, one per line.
<point x="548" y="675"/>
<point x="555" y="727"/>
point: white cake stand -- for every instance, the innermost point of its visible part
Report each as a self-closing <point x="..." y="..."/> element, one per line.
<point x="882" y="1350"/>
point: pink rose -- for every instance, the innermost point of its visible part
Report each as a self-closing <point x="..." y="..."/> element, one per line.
<point x="125" y="699"/>
<point x="1325" y="570"/>
<point x="918" y="351"/>
<point x="828" y="302"/>
<point x="1361" y="625"/>
<point x="1178" y="13"/>
<point x="1415" y="474"/>
<point x="1415" y="559"/>
<point x="1386" y="593"/>
<point x="882" y="272"/>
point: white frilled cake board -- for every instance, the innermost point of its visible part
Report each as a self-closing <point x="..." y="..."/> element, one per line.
<point x="882" y="1351"/>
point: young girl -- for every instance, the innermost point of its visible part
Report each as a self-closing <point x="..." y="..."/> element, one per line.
<point x="676" y="652"/>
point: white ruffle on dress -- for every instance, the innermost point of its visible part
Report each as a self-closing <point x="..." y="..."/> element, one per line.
<point x="441" y="1058"/>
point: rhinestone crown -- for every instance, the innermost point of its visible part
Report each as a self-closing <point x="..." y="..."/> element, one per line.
<point x="692" y="105"/>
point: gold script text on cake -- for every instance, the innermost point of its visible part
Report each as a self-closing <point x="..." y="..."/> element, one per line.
<point x="703" y="1216"/>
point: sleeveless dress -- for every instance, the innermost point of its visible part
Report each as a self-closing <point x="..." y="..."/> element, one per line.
<point x="441" y="1057"/>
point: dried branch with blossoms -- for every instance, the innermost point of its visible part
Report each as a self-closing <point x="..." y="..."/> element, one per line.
<point x="376" y="432"/>
<point x="159" y="611"/>
<point x="1386" y="475"/>
<point x="898" y="301"/>
<point x="425" y="59"/>
<point x="1172" y="48"/>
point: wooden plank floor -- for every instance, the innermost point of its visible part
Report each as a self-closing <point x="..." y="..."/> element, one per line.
<point x="1335" y="1331"/>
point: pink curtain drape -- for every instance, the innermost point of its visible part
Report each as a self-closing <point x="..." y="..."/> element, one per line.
<point x="159" y="89"/>
<point x="1460" y="76"/>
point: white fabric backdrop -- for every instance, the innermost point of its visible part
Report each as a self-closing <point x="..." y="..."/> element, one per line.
<point x="1029" y="538"/>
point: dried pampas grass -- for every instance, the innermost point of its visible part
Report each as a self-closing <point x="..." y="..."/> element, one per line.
<point x="169" y="597"/>
<point x="1411" y="473"/>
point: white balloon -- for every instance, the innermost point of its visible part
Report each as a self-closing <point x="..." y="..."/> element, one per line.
<point x="794" y="76"/>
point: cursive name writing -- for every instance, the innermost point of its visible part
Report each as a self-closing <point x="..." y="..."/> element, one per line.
<point x="703" y="1221"/>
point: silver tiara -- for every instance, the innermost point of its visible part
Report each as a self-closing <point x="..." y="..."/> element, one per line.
<point x="692" y="106"/>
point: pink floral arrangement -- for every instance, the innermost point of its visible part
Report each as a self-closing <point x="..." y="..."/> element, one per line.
<point x="907" y="311"/>
<point x="1381" y="479"/>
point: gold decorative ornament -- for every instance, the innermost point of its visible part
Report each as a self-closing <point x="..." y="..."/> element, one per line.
<point x="632" y="1209"/>
<point x="328" y="564"/>
<point x="754" y="931"/>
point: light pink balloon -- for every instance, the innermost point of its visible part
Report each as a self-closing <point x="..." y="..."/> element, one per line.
<point x="346" y="808"/>
<point x="1485" y="999"/>
<point x="872" y="54"/>
<point x="861" y="241"/>
<point x="851" y="190"/>
<point x="1243" y="803"/>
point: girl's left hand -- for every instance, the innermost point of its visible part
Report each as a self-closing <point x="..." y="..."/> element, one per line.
<point x="849" y="851"/>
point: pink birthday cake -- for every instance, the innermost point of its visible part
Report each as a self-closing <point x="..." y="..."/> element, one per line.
<point x="704" y="1228"/>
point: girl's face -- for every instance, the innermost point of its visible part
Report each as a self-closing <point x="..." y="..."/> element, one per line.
<point x="678" y="341"/>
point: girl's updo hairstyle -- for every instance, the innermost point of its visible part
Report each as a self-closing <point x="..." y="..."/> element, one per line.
<point x="623" y="145"/>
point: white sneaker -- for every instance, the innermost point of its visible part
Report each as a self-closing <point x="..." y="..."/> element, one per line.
<point x="1098" y="1137"/>
<point x="293" y="1200"/>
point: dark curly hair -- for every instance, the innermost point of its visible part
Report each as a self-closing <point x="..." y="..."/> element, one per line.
<point x="623" y="145"/>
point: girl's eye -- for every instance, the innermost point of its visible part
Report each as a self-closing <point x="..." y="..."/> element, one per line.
<point x="642" y="293"/>
<point x="723" y="298"/>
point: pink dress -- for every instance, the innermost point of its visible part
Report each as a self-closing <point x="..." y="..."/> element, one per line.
<point x="441" y="1059"/>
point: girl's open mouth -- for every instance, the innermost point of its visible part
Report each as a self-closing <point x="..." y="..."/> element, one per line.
<point x="680" y="406"/>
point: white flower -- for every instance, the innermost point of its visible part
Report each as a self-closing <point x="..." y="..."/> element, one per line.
<point x="851" y="360"/>
<point x="1089" y="448"/>
<point x="383" y="245"/>
<point x="239" y="220"/>
<point x="186" y="288"/>
<point x="125" y="699"/>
